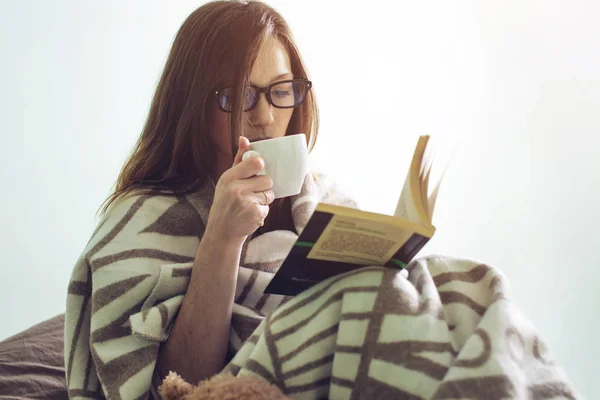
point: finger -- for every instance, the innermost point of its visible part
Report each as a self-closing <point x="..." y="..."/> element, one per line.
<point x="258" y="183"/>
<point x="243" y="146"/>
<point x="248" y="168"/>
<point x="263" y="211"/>
<point x="252" y="153"/>
<point x="263" y="198"/>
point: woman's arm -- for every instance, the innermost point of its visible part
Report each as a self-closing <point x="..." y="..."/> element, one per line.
<point x="197" y="344"/>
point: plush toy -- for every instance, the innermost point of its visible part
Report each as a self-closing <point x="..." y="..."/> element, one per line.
<point x="220" y="387"/>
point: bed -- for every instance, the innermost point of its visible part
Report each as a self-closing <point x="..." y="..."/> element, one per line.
<point x="31" y="363"/>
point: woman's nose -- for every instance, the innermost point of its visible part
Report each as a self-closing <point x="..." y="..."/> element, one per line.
<point x="262" y="115"/>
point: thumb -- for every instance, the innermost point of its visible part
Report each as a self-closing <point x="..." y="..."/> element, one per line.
<point x="243" y="146"/>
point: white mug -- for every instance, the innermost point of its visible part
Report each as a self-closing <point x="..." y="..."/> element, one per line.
<point x="286" y="162"/>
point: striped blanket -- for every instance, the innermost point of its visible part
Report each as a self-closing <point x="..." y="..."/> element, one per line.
<point x="129" y="282"/>
<point x="448" y="331"/>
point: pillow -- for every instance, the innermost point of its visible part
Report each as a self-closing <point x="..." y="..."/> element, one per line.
<point x="32" y="362"/>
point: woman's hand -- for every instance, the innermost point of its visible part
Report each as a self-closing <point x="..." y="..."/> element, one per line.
<point x="242" y="199"/>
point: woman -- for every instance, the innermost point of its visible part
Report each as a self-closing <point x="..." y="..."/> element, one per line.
<point x="173" y="277"/>
<point x="196" y="130"/>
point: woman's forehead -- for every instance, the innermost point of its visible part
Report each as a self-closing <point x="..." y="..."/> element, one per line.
<point x="272" y="63"/>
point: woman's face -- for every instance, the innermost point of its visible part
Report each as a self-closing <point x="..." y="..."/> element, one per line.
<point x="264" y="121"/>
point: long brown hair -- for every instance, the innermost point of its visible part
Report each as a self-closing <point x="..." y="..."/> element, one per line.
<point x="217" y="43"/>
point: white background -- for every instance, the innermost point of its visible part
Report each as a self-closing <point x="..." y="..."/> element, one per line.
<point x="517" y="82"/>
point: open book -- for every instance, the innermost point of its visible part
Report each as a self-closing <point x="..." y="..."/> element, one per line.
<point x="339" y="239"/>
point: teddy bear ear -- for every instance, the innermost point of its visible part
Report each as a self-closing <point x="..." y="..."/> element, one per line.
<point x="174" y="387"/>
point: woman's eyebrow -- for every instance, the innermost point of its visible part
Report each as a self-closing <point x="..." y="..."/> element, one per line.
<point x="278" y="77"/>
<point x="285" y="75"/>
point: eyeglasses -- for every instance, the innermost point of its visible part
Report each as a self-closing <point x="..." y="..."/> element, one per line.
<point x="282" y="94"/>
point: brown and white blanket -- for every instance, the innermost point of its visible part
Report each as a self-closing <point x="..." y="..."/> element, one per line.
<point x="448" y="331"/>
<point x="130" y="280"/>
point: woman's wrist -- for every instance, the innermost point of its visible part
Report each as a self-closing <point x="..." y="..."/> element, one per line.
<point x="216" y="250"/>
<point x="216" y="237"/>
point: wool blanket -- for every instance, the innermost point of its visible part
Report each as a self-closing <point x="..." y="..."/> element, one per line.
<point x="130" y="280"/>
<point x="448" y="331"/>
<point x="445" y="330"/>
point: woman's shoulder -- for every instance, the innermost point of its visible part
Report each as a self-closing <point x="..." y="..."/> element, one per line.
<point x="189" y="199"/>
<point x="149" y="217"/>
<point x="141" y="202"/>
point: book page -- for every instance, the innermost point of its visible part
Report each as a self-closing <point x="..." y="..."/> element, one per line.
<point x="421" y="187"/>
<point x="405" y="207"/>
<point x="412" y="203"/>
<point x="444" y="150"/>
<point x="359" y="241"/>
<point x="424" y="174"/>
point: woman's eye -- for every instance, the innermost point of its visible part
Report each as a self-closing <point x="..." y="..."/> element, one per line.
<point x="225" y="100"/>
<point x="281" y="93"/>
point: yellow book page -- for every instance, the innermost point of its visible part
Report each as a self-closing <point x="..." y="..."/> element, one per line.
<point x="412" y="203"/>
<point x="424" y="184"/>
<point x="359" y="241"/>
<point x="444" y="150"/>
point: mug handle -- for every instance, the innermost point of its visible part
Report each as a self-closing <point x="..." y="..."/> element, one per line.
<point x="253" y="153"/>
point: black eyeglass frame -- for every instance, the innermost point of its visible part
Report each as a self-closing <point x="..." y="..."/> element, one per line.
<point x="267" y="91"/>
